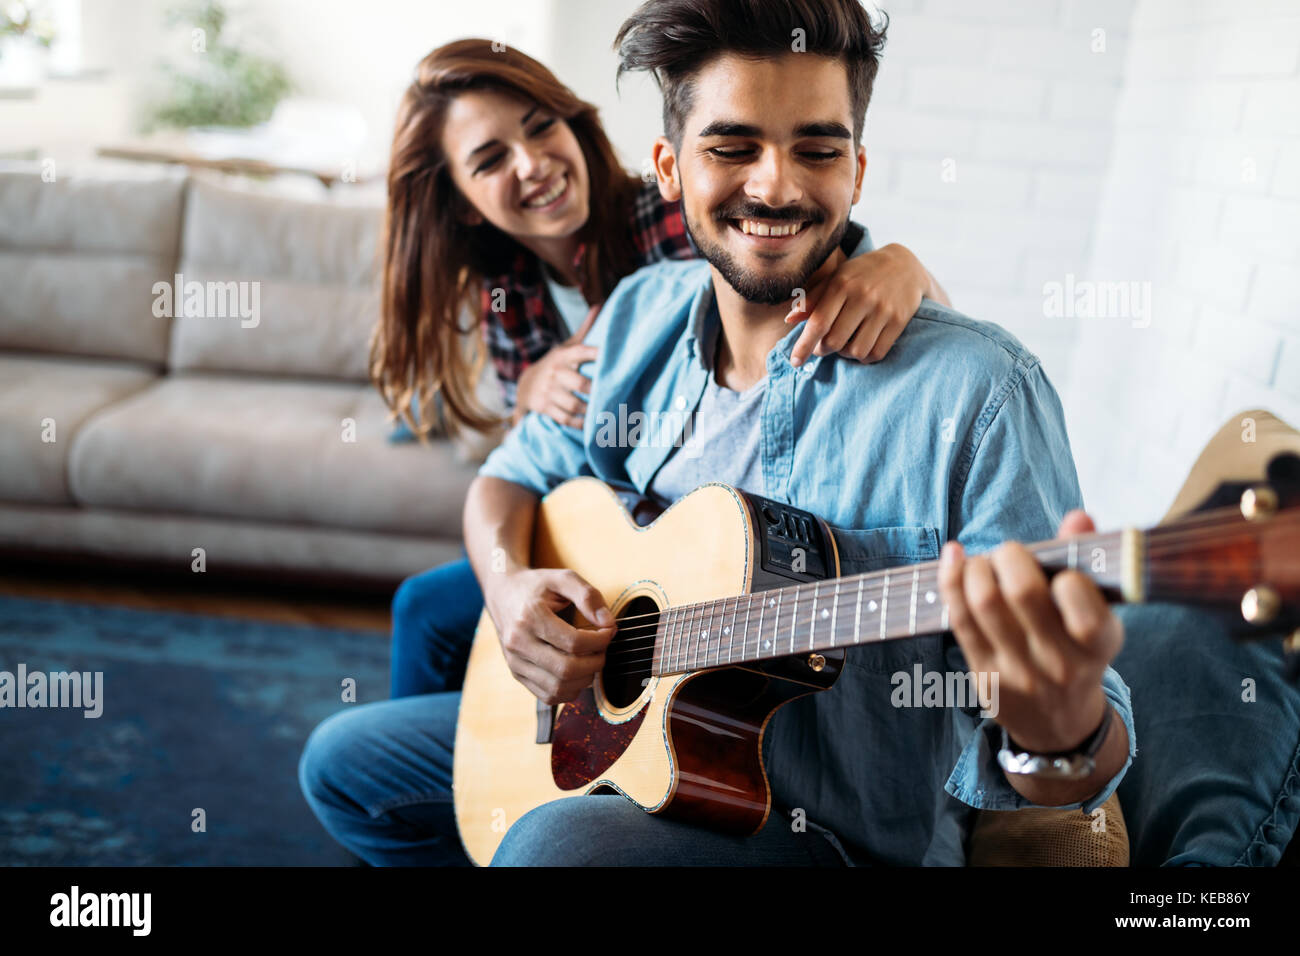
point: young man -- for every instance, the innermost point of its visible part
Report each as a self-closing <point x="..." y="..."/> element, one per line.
<point x="957" y="437"/>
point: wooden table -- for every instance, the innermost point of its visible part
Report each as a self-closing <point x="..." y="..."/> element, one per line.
<point x="173" y="149"/>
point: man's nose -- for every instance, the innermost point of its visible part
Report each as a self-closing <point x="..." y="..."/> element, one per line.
<point x="772" y="180"/>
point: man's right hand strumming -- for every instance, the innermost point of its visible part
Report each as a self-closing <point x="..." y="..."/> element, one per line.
<point x="555" y="660"/>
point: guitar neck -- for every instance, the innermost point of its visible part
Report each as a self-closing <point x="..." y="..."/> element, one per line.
<point x="835" y="613"/>
<point x="1220" y="557"/>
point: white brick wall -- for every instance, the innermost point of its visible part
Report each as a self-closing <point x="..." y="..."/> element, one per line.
<point x="988" y="138"/>
<point x="1200" y="200"/>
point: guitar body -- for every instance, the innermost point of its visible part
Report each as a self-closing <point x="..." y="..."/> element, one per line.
<point x="686" y="745"/>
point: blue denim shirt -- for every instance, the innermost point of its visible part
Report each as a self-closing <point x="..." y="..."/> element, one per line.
<point x="956" y="435"/>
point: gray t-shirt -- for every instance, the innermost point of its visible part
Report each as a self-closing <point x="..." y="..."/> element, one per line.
<point x="568" y="300"/>
<point x="725" y="443"/>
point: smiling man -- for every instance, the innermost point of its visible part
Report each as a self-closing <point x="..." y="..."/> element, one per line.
<point x="958" y="437"/>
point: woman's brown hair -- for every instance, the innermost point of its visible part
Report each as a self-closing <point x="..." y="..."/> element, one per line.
<point x="434" y="263"/>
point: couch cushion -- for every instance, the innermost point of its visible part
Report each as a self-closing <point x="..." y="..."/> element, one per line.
<point x="309" y="267"/>
<point x="228" y="543"/>
<point x="44" y="398"/>
<point x="249" y="448"/>
<point x="79" y="257"/>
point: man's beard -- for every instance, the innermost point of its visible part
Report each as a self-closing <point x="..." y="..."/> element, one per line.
<point x="754" y="287"/>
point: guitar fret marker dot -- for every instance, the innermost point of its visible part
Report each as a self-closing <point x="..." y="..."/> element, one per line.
<point x="872" y="605"/>
<point x="929" y="597"/>
<point x="825" y="614"/>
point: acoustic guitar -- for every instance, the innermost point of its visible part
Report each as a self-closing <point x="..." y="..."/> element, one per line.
<point x="730" y="605"/>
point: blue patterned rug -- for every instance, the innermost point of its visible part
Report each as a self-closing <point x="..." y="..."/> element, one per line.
<point x="197" y="713"/>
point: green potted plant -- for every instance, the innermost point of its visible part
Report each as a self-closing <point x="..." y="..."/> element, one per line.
<point x="222" y="84"/>
<point x="26" y="33"/>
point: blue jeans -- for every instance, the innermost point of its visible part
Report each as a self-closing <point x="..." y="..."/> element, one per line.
<point x="378" y="776"/>
<point x="1216" y="780"/>
<point x="434" y="617"/>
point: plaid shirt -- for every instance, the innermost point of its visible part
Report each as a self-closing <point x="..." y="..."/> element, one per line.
<point x="521" y="323"/>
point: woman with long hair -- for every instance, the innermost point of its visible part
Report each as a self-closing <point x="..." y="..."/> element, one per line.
<point x="507" y="203"/>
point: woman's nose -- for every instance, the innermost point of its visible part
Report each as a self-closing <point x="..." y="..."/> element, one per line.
<point x="532" y="163"/>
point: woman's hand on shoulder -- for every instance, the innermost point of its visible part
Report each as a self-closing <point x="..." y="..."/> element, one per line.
<point x="862" y="309"/>
<point x="548" y="386"/>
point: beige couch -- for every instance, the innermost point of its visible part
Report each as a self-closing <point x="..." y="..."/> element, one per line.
<point x="251" y="434"/>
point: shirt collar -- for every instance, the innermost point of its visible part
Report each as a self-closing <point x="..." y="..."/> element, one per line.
<point x="705" y="322"/>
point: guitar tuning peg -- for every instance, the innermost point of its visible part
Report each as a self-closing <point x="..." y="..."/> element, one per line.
<point x="1258" y="503"/>
<point x="1260" y="605"/>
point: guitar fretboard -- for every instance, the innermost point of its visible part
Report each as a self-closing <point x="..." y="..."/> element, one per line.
<point x="842" y="612"/>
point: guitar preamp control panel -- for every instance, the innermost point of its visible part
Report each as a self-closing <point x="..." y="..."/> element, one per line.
<point x="793" y="543"/>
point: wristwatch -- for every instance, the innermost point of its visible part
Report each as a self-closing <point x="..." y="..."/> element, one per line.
<point x="1063" y="765"/>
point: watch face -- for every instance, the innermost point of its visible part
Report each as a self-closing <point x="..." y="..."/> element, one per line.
<point x="1061" y="766"/>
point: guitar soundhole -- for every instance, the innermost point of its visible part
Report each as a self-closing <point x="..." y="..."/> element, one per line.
<point x="628" y="659"/>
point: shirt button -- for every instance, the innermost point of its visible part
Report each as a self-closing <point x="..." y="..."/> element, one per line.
<point x="681" y="402"/>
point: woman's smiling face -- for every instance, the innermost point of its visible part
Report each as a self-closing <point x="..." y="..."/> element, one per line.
<point x="520" y="167"/>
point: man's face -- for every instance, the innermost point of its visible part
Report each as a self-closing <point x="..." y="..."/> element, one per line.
<point x="767" y="170"/>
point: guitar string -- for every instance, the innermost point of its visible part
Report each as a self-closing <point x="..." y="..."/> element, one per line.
<point x="1157" y="547"/>
<point x="717" y="655"/>
<point x="1159" y="540"/>
<point x="865" y="576"/>
<point x="647" y="631"/>
<point x="631" y="642"/>
<point x="696" y="660"/>
<point x="846" y="596"/>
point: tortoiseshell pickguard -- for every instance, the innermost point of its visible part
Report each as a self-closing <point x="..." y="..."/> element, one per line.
<point x="585" y="744"/>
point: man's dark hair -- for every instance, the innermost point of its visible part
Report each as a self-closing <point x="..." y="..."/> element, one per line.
<point x="674" y="39"/>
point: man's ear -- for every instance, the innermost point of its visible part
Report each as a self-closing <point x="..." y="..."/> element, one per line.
<point x="666" y="170"/>
<point x="862" y="171"/>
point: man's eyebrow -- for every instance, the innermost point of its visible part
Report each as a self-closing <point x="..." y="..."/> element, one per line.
<point x="492" y="142"/>
<point x="830" y="130"/>
<point x="729" y="128"/>
<point x="822" y="129"/>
